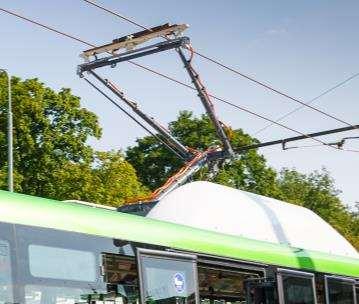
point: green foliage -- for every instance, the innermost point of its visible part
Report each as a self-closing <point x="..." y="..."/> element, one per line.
<point x="50" y="129"/>
<point x="355" y="226"/>
<point x="155" y="164"/>
<point x="51" y="155"/>
<point x="52" y="158"/>
<point x="111" y="181"/>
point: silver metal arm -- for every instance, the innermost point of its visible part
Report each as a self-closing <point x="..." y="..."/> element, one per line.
<point x="173" y="142"/>
<point x="202" y="93"/>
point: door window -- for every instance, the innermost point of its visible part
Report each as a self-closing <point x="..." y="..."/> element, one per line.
<point x="296" y="287"/>
<point x="340" y="290"/>
<point x="167" y="278"/>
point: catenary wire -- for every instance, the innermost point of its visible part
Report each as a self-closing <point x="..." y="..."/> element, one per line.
<point x="149" y="70"/>
<point x="238" y="107"/>
<point x="170" y="78"/>
<point x="217" y="62"/>
<point x="309" y="102"/>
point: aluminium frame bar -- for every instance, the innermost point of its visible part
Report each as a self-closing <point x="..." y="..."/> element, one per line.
<point x="207" y="104"/>
<point x="137" y="53"/>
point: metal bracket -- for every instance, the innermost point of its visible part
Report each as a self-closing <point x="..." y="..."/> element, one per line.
<point x="131" y="41"/>
<point x="113" y="59"/>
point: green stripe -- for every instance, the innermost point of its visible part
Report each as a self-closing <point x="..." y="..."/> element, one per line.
<point x="28" y="210"/>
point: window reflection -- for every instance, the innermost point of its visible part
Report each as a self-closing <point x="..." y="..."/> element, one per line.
<point x="62" y="263"/>
<point x="59" y="267"/>
<point x="222" y="286"/>
<point x="168" y="281"/>
<point x="120" y="275"/>
<point x="340" y="292"/>
<point x="298" y="290"/>
<point x="40" y="294"/>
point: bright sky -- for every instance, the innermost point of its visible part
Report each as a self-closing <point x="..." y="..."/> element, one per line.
<point x="301" y="48"/>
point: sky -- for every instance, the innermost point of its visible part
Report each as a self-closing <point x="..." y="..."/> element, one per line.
<point x="299" y="47"/>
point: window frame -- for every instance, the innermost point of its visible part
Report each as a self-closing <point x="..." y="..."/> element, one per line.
<point x="141" y="252"/>
<point x="294" y="273"/>
<point x="338" y="278"/>
<point x="8" y="235"/>
<point x="48" y="237"/>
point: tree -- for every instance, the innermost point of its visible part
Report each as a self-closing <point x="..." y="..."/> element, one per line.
<point x="51" y="155"/>
<point x="50" y="129"/>
<point x="154" y="163"/>
<point x="110" y="180"/>
<point x="355" y="225"/>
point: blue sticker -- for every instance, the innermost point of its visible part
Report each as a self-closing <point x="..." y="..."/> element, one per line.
<point x="179" y="282"/>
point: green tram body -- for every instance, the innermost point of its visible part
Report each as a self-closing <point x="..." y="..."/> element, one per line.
<point x="53" y="252"/>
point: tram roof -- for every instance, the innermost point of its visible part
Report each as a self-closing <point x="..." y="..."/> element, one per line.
<point x="68" y="216"/>
<point x="232" y="211"/>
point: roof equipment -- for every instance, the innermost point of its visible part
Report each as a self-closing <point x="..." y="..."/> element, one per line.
<point x="126" y="48"/>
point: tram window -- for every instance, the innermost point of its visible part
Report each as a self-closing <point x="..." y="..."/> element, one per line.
<point x="61" y="263"/>
<point x="297" y="289"/>
<point x="261" y="291"/>
<point x="120" y="274"/>
<point x="121" y="286"/>
<point x="167" y="280"/>
<point x="61" y="267"/>
<point x="40" y="294"/>
<point x="5" y="273"/>
<point x="340" y="291"/>
<point x="218" y="285"/>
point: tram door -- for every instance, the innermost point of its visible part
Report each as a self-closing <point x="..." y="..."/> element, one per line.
<point x="167" y="278"/>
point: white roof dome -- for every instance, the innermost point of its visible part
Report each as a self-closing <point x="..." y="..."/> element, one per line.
<point x="223" y="209"/>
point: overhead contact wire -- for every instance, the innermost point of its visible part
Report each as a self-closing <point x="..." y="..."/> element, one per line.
<point x="167" y="77"/>
<point x="309" y="102"/>
<point x="217" y="62"/>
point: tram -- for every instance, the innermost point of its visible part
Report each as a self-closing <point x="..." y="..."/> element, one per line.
<point x="54" y="252"/>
